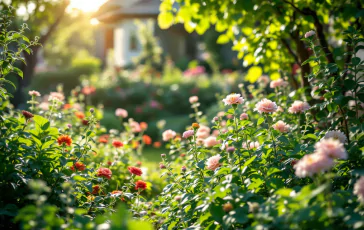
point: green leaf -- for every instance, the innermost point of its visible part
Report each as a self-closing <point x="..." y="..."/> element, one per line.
<point x="260" y="120"/>
<point x="79" y="178"/>
<point x="253" y="74"/>
<point x="248" y="162"/>
<point x="223" y="39"/>
<point x="310" y="136"/>
<point x="272" y="171"/>
<point x="355" y="61"/>
<point x="165" y="20"/>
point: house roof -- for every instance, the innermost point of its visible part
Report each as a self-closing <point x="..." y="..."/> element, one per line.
<point x="114" y="10"/>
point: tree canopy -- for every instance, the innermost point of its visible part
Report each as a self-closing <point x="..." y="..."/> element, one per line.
<point x="267" y="33"/>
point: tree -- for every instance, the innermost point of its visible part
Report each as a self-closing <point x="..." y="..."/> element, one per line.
<point x="42" y="17"/>
<point x="267" y="33"/>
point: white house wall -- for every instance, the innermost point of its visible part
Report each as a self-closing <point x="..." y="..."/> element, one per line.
<point x="122" y="36"/>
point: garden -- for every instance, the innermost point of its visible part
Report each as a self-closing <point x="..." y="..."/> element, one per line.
<point x="269" y="139"/>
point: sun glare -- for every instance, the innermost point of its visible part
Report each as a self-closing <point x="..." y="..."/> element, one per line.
<point x="86" y="5"/>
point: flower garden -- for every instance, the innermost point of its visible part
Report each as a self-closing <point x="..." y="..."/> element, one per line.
<point x="267" y="156"/>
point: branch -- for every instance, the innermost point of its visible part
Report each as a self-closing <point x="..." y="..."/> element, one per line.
<point x="319" y="29"/>
<point x="51" y="29"/>
<point x="285" y="43"/>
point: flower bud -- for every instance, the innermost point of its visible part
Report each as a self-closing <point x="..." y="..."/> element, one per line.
<point x="92" y="110"/>
<point x="215" y="119"/>
<point x="184" y="169"/>
<point x="177" y="198"/>
<point x="195" y="125"/>
<point x="163" y="155"/>
<point x="162" y="166"/>
<point x="227" y="207"/>
<point x="230" y="149"/>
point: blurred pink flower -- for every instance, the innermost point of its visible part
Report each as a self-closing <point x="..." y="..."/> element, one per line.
<point x="331" y="148"/>
<point x="203" y="132"/>
<point x="264" y="79"/>
<point x="34" y="93"/>
<point x="244" y="116"/>
<point x="233" y="99"/>
<point x="213" y="162"/>
<point x="266" y="106"/>
<point x="154" y="104"/>
<point x="278" y="83"/>
<point x="281" y="127"/>
<point x="195" y="71"/>
<point x="188" y="133"/>
<point x="193" y="99"/>
<point x="121" y="113"/>
<point x="168" y="134"/>
<point x="135" y="127"/>
<point x="299" y="107"/>
<point x="57" y="95"/>
<point x="336" y="134"/>
<point x="252" y="145"/>
<point x="359" y="189"/>
<point x="312" y="164"/>
<point x="310" y="33"/>
<point x="211" y="142"/>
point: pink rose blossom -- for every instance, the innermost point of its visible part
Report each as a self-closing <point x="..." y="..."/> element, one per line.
<point x="215" y="133"/>
<point x="244" y="116"/>
<point x="121" y="113"/>
<point x="233" y="99"/>
<point x="310" y="33"/>
<point x="299" y="107"/>
<point x="220" y="114"/>
<point x="57" y="95"/>
<point x="359" y="189"/>
<point x="135" y="127"/>
<point x="335" y="134"/>
<point x="266" y="106"/>
<point x="213" y="162"/>
<point x="312" y="164"/>
<point x="211" y="142"/>
<point x="278" y="83"/>
<point x="203" y="132"/>
<point x="281" y="127"/>
<point x="252" y="145"/>
<point x="331" y="148"/>
<point x="168" y="135"/>
<point x="193" y="99"/>
<point x="44" y="106"/>
<point x="263" y="79"/>
<point x="34" y="93"/>
<point x="187" y="134"/>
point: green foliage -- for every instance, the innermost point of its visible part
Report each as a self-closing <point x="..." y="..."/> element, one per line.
<point x="12" y="44"/>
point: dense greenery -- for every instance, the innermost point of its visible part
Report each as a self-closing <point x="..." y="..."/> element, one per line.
<point x="272" y="156"/>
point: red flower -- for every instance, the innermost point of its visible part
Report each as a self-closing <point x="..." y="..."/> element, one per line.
<point x="103" y="140"/>
<point x="72" y="168"/>
<point x="85" y="122"/>
<point x="109" y="163"/>
<point x="27" y="114"/>
<point x="135" y="170"/>
<point x="64" y="139"/>
<point x="117" y="144"/>
<point x="140" y="185"/>
<point x="147" y="140"/>
<point x="80" y="115"/>
<point x="104" y="172"/>
<point x="80" y="166"/>
<point x="95" y="189"/>
<point x="143" y="125"/>
<point x="157" y="144"/>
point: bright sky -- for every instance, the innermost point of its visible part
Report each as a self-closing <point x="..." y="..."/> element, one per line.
<point x="86" y="5"/>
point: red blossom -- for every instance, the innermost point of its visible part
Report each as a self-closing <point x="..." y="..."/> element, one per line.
<point x="135" y="170"/>
<point x="85" y="122"/>
<point x="27" y="114"/>
<point x="140" y="185"/>
<point x="80" y="166"/>
<point x="80" y="115"/>
<point x="117" y="144"/>
<point x="95" y="189"/>
<point x="104" y="172"/>
<point x="64" y="139"/>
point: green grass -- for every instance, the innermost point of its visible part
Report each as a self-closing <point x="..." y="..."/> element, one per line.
<point x="151" y="157"/>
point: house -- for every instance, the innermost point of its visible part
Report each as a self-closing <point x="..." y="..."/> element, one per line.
<point x="120" y="33"/>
